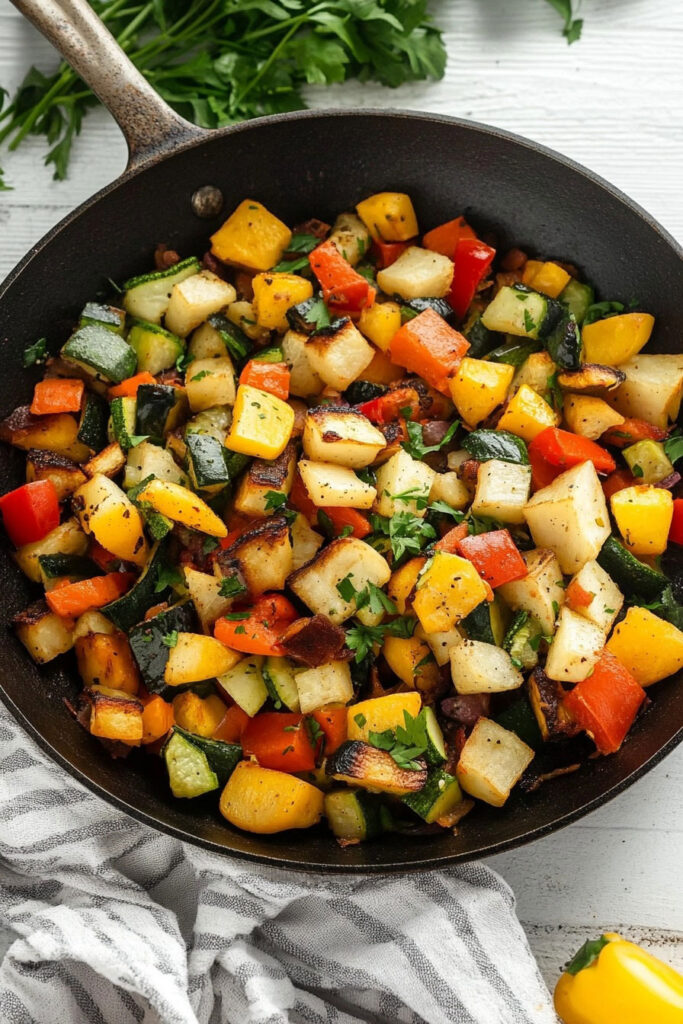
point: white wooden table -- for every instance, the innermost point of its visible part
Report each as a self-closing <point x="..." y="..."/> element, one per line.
<point x="612" y="102"/>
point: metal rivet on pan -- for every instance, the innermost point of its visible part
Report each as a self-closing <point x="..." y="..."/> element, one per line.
<point x="207" y="201"/>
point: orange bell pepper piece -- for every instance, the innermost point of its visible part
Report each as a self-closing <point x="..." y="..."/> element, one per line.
<point x="606" y="703"/>
<point x="387" y="252"/>
<point x="72" y="599"/>
<point x="129" y="388"/>
<point x="257" y="630"/>
<point x="577" y="597"/>
<point x="232" y="725"/>
<point x="279" y="741"/>
<point x="631" y="431"/>
<point x="618" y="481"/>
<point x="449" y="542"/>
<point x="157" y="717"/>
<point x="343" y="287"/>
<point x="57" y="394"/>
<point x="564" y="449"/>
<point x="445" y="237"/>
<point x="426" y="345"/>
<point x="495" y="557"/>
<point x="333" y="722"/>
<point x="271" y="377"/>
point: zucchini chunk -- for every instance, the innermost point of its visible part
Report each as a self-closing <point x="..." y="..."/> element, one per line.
<point x="222" y="757"/>
<point x="546" y="697"/>
<point x="131" y="606"/>
<point x="147" y="296"/>
<point x="522" y="640"/>
<point x="338" y="354"/>
<point x="485" y="623"/>
<point x="244" y="683"/>
<point x="362" y="765"/>
<point x="104" y="316"/>
<point x="354" y="815"/>
<point x="628" y="572"/>
<point x="189" y="772"/>
<point x="92" y="425"/>
<point x="492" y="760"/>
<point x="157" y="410"/>
<point x="148" y="460"/>
<point x="518" y="310"/>
<point x="44" y="635"/>
<point x="101" y="354"/>
<point x="155" y="349"/>
<point x="263" y="556"/>
<point x="340" y="435"/>
<point x="279" y="675"/>
<point x="345" y="558"/>
<point x="439" y="795"/>
<point x="122" y="422"/>
<point x="265" y="477"/>
<point x="66" y="476"/>
<point x="206" y="462"/>
<point x="148" y="646"/>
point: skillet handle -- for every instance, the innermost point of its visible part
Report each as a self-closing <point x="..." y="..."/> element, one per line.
<point x="151" y="128"/>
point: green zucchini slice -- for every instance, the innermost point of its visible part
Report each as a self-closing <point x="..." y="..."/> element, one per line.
<point x="189" y="772"/>
<point x="101" y="353"/>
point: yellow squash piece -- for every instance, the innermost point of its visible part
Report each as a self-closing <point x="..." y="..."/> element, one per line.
<point x="196" y="657"/>
<point x="200" y="715"/>
<point x="389" y="216"/>
<point x="108" y="513"/>
<point x="448" y="591"/>
<point x="616" y="339"/>
<point x="649" y="647"/>
<point x="623" y="985"/>
<point x="479" y="387"/>
<point x="403" y="582"/>
<point x="182" y="506"/>
<point x="527" y="414"/>
<point x="548" y="278"/>
<point x="261" y="424"/>
<point x="379" y="323"/>
<point x="411" y="659"/>
<point x="643" y="514"/>
<point x="380" y="713"/>
<point x="381" y="370"/>
<point x="265" y="801"/>
<point x="251" y="237"/>
<point x="274" y="294"/>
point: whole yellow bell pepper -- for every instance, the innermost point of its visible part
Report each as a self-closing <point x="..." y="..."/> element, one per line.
<point x="612" y="981"/>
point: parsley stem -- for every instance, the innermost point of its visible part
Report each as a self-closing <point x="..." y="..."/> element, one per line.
<point x="264" y="67"/>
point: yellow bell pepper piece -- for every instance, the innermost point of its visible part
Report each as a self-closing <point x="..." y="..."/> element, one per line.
<point x="265" y="801"/>
<point x="529" y="272"/>
<point x="547" y="278"/>
<point x="623" y="984"/>
<point x="196" y="657"/>
<point x="251" y="237"/>
<point x="380" y="713"/>
<point x="183" y="506"/>
<point x="261" y="424"/>
<point x="389" y="216"/>
<point x="479" y="387"/>
<point x="527" y="414"/>
<point x="381" y="370"/>
<point x="448" y="591"/>
<point x="108" y="513"/>
<point x="643" y="514"/>
<point x="403" y="581"/>
<point x="649" y="647"/>
<point x="379" y="323"/>
<point x="406" y="656"/>
<point x="616" y="339"/>
<point x="274" y="294"/>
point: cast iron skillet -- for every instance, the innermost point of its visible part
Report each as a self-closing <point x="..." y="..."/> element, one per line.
<point x="300" y="165"/>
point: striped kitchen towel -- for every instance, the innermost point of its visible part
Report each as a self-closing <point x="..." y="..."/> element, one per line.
<point x="104" y="921"/>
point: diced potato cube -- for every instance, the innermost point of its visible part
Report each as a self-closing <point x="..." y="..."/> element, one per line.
<point x="262" y="554"/>
<point x="575" y="648"/>
<point x="502" y="491"/>
<point x="616" y="339"/>
<point x="331" y="485"/>
<point x="274" y="294"/>
<point x="345" y="558"/>
<point x="342" y="436"/>
<point x="479" y="387"/>
<point x="588" y="416"/>
<point x="527" y="414"/>
<point x="643" y="514"/>
<point x="491" y="762"/>
<point x="115" y="715"/>
<point x="381" y="713"/>
<point x="195" y="299"/>
<point x="534" y="372"/>
<point x="607" y="598"/>
<point x="210" y="382"/>
<point x="243" y="315"/>
<point x="403" y="475"/>
<point x="483" y="668"/>
<point x="652" y="389"/>
<point x="204" y="590"/>
<point x="570" y="517"/>
<point x="448" y="590"/>
<point x="417" y="273"/>
<point x="251" y="237"/>
<point x="649" y="647"/>
<point x="449" y="487"/>
<point x="389" y="216"/>
<point x="306" y="542"/>
<point x="327" y="684"/>
<point x="304" y="382"/>
<point x="350" y="237"/>
<point x="66" y="539"/>
<point x="263" y="478"/>
<point x="540" y="592"/>
<point x="441" y="644"/>
<point x="379" y="323"/>
<point x="261" y="423"/>
<point x="338" y="354"/>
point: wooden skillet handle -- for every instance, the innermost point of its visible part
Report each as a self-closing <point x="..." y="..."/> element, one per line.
<point x="151" y="128"/>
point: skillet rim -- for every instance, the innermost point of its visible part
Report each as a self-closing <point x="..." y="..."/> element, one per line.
<point x="275" y="860"/>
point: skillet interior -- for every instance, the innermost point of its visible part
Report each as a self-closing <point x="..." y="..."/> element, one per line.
<point x="317" y="164"/>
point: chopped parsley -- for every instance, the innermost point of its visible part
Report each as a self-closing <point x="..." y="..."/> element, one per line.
<point x="415" y="445"/>
<point x="231" y="586"/>
<point x="35" y="353"/>
<point x="529" y="322"/>
<point x="674" y="447"/>
<point x="276" y="501"/>
<point x="360" y="720"/>
<point x="407" y="533"/>
<point x="361" y="639"/>
<point x="318" y="314"/>
<point x="167" y="576"/>
<point x="406" y="742"/>
<point x="636" y="469"/>
<point x="201" y="375"/>
<point x="170" y="639"/>
<point x="209" y="544"/>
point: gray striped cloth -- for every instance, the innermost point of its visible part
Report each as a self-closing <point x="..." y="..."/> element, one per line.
<point x="104" y="921"/>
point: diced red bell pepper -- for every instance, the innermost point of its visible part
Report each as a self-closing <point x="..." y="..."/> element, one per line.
<point x="631" y="431"/>
<point x="343" y="287"/>
<point x="128" y="388"/>
<point x="564" y="449"/>
<point x="57" y="394"/>
<point x="271" y="377"/>
<point x="333" y="722"/>
<point x="339" y="517"/>
<point x="445" y="237"/>
<point x="618" y="481"/>
<point x="387" y="252"/>
<point x="606" y="703"/>
<point x="72" y="599"/>
<point x="676" y="531"/>
<point x="232" y="725"/>
<point x="542" y="473"/>
<point x="279" y="740"/>
<point x="30" y="511"/>
<point x="300" y="499"/>
<point x="450" y="541"/>
<point x="428" y="346"/>
<point x="494" y="556"/>
<point x="471" y="262"/>
<point x="258" y="629"/>
<point x="577" y="597"/>
<point x="392" y="406"/>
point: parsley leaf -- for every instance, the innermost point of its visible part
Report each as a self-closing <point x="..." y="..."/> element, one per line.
<point x="556" y="393"/>
<point x="201" y="375"/>
<point x="167" y="576"/>
<point x="35" y="353"/>
<point x="674" y="447"/>
<point x="209" y="544"/>
<point x="636" y="469"/>
<point x="405" y="743"/>
<point x="601" y="310"/>
<point x="572" y="26"/>
<point x="318" y="314"/>
<point x="361" y="639"/>
<point x="231" y="586"/>
<point x="170" y="639"/>
<point x="529" y="322"/>
<point x="415" y="445"/>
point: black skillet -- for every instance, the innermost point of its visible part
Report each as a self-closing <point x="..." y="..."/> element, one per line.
<point x="301" y="165"/>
